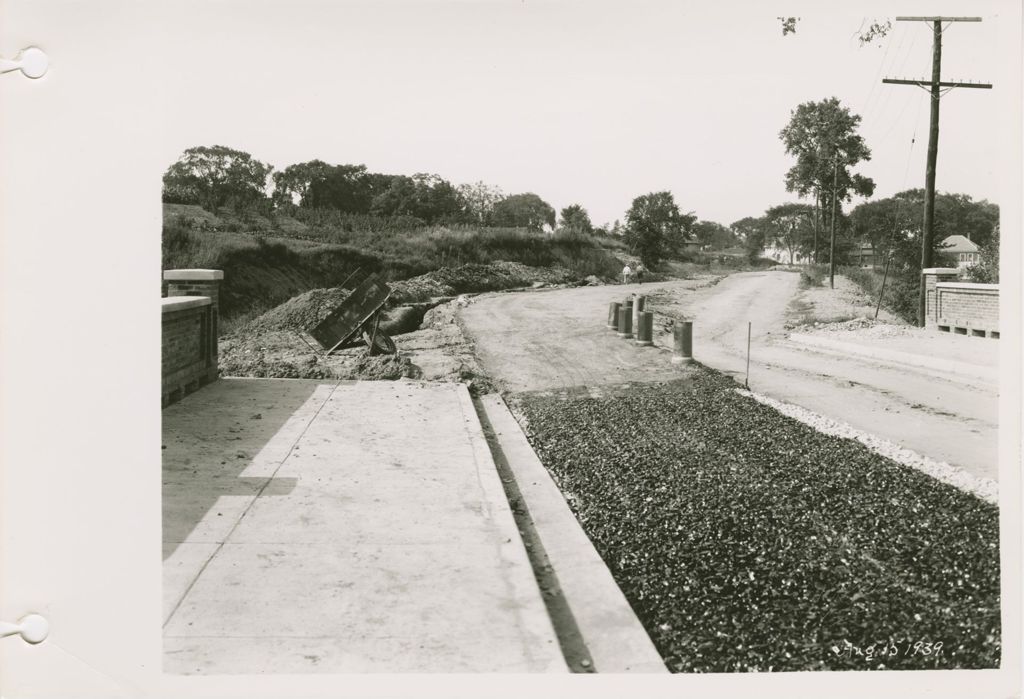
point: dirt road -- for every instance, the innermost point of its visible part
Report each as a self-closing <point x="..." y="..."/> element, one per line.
<point x="557" y="339"/>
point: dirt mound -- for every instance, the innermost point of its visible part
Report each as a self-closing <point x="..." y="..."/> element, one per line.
<point x="301" y="312"/>
<point x="449" y="281"/>
<point x="282" y="355"/>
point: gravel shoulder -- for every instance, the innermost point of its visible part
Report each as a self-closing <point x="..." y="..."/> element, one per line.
<point x="749" y="541"/>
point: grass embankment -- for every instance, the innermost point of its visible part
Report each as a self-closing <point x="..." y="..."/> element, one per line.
<point x="268" y="266"/>
<point x="745" y="540"/>
<point x="901" y="292"/>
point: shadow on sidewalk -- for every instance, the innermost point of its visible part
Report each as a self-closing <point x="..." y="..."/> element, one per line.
<point x="221" y="447"/>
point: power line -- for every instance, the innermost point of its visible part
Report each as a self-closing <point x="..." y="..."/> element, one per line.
<point x="935" y="86"/>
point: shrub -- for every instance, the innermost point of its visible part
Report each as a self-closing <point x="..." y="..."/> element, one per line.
<point x="812" y="275"/>
<point x="900" y="295"/>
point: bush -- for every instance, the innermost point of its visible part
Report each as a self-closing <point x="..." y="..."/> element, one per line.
<point x="812" y="275"/>
<point x="900" y="295"/>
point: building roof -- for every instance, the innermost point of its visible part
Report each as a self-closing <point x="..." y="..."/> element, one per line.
<point x="957" y="243"/>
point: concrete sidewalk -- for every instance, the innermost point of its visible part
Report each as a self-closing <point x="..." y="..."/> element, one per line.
<point x="341" y="527"/>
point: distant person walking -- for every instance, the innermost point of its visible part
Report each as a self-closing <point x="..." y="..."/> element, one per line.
<point x="640" y="273"/>
<point x="626" y="274"/>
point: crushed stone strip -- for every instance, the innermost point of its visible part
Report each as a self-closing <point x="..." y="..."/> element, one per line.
<point x="984" y="488"/>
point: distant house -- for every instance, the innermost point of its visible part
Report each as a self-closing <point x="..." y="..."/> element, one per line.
<point x="961" y="249"/>
<point x="781" y="254"/>
<point x="691" y="246"/>
<point x="864" y="256"/>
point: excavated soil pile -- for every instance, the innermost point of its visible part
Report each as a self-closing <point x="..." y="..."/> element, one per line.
<point x="449" y="281"/>
<point x="297" y="313"/>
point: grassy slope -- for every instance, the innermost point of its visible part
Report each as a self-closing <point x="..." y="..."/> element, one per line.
<point x="264" y="267"/>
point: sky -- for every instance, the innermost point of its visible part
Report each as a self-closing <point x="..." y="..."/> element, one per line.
<point x="582" y="102"/>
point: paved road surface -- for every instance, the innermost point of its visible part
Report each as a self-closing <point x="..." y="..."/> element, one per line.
<point x="556" y="339"/>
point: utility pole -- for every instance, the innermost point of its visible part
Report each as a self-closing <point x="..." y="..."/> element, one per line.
<point x="832" y="242"/>
<point x="937" y="88"/>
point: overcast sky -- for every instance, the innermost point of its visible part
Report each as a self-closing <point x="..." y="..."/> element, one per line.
<point x="581" y="102"/>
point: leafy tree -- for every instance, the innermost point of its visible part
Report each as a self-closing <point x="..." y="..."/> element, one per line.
<point x="876" y="30"/>
<point x="292" y="185"/>
<point x="714" y="235"/>
<point x="753" y="233"/>
<point x="479" y="200"/>
<point x="523" y="211"/>
<point x="216" y="176"/>
<point x="987" y="269"/>
<point x="655" y="228"/>
<point x="423" y="196"/>
<point x="343" y="187"/>
<point x="790" y="225"/>
<point x="788" y="24"/>
<point x="894" y="223"/>
<point x="575" y="218"/>
<point x="823" y="137"/>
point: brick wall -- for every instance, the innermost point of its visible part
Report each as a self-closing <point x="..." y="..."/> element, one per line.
<point x="189" y="357"/>
<point x="964" y="309"/>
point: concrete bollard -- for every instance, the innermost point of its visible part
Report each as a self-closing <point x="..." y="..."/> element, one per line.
<point x="625" y="323"/>
<point x="683" y="335"/>
<point x="638" y="308"/>
<point x="645" y="329"/>
<point x="613" y="315"/>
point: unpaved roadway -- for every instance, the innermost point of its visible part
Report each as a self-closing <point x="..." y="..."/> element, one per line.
<point x="553" y="339"/>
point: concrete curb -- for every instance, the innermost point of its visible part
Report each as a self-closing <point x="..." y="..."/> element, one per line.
<point x="962" y="369"/>
<point x="531" y="610"/>
<point x="613" y="634"/>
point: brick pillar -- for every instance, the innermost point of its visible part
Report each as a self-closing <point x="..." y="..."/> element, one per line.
<point x="199" y="282"/>
<point x="932" y="276"/>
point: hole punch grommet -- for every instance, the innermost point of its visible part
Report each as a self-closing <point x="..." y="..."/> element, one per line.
<point x="32" y="62"/>
<point x="33" y="628"/>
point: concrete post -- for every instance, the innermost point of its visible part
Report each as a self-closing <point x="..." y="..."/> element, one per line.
<point x="625" y="323"/>
<point x="645" y="329"/>
<point x="613" y="315"/>
<point x="638" y="308"/>
<point x="683" y="336"/>
<point x="932" y="276"/>
<point x="199" y="282"/>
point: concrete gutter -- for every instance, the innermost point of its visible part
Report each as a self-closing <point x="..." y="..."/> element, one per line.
<point x="614" y="636"/>
<point x="909" y="359"/>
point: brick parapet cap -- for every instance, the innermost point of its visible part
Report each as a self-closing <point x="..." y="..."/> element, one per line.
<point x="969" y="285"/>
<point x="931" y="270"/>
<point x="181" y="303"/>
<point x="193" y="275"/>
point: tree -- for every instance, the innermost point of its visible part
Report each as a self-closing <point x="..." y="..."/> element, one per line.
<point x="424" y="196"/>
<point x="479" y="199"/>
<point x="893" y="226"/>
<point x="346" y="188"/>
<point x="894" y="223"/>
<point x="752" y="231"/>
<point x="292" y="185"/>
<point x="713" y="235"/>
<point x="216" y="176"/>
<point x="575" y="218"/>
<point x="655" y="229"/>
<point x="523" y="211"/>
<point x="823" y="137"/>
<point x="987" y="269"/>
<point x="790" y="225"/>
